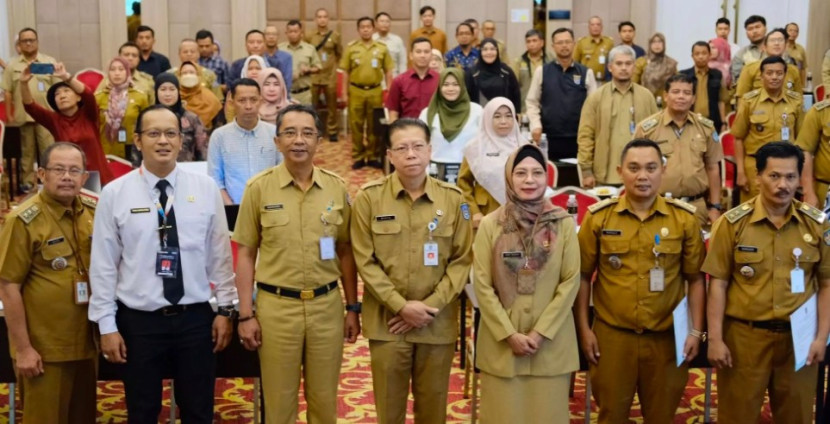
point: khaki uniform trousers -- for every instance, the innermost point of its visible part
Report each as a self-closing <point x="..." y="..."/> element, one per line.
<point x="330" y="105"/>
<point x="34" y="139"/>
<point x="763" y="360"/>
<point x="303" y="97"/>
<point x="64" y="394"/>
<point x="393" y="363"/>
<point x="300" y="338"/>
<point x="525" y="399"/>
<point x="821" y="192"/>
<point x="362" y="104"/>
<point x="641" y="363"/>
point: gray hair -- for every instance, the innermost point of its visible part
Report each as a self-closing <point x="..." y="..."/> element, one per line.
<point x="621" y="50"/>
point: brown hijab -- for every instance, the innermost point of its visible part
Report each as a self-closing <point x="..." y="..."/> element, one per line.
<point x="529" y="227"/>
<point x="659" y="67"/>
<point x="199" y="99"/>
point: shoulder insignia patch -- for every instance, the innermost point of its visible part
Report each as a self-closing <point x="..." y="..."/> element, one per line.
<point x="752" y="94"/>
<point x="826" y="237"/>
<point x="736" y="213"/>
<point x="682" y="205"/>
<point x="822" y="104"/>
<point x="596" y="207"/>
<point x="89" y="202"/>
<point x="705" y="121"/>
<point x="812" y="212"/>
<point x="327" y="172"/>
<point x="374" y="183"/>
<point x="649" y="124"/>
<point x="353" y="42"/>
<point x="447" y="185"/>
<point x="465" y="211"/>
<point x="794" y="94"/>
<point x="29" y="214"/>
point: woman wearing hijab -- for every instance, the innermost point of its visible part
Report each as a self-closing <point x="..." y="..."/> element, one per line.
<point x="194" y="134"/>
<point x="721" y="58"/>
<point x="73" y="118"/>
<point x="652" y="70"/>
<point x="436" y="63"/>
<point x="120" y="103"/>
<point x="526" y="264"/>
<point x="197" y="98"/>
<point x="254" y="64"/>
<point x="453" y="121"/>
<point x="481" y="177"/>
<point x="274" y="94"/>
<point x="491" y="78"/>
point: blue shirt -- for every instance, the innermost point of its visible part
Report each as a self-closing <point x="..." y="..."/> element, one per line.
<point x="236" y="154"/>
<point x="280" y="60"/>
<point x="219" y="67"/>
<point x="456" y="58"/>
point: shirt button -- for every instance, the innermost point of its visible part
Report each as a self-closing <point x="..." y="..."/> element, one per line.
<point x="527" y="310"/>
<point x="778" y="258"/>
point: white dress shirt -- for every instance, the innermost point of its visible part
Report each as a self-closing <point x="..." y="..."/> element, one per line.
<point x="444" y="151"/>
<point x="397" y="50"/>
<point x="126" y="239"/>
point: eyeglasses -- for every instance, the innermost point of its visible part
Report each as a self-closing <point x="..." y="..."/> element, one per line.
<point x="156" y="134"/>
<point x="59" y="172"/>
<point x="305" y="134"/>
<point x="417" y="148"/>
<point x="28" y="41"/>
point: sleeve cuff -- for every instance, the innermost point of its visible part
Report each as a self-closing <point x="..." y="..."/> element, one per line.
<point x="106" y="325"/>
<point x="396" y="303"/>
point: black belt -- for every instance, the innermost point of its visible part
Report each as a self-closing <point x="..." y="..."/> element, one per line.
<point x="689" y="199"/>
<point x="364" y="87"/>
<point x="774" y="325"/>
<point x="297" y="294"/>
<point x="637" y="331"/>
<point x="168" y="311"/>
<point x="300" y="90"/>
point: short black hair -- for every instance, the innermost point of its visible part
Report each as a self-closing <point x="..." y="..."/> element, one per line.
<point x="781" y="31"/>
<point x="243" y="81"/>
<point x="365" y="18"/>
<point x="793" y="24"/>
<point x="254" y="31"/>
<point x="638" y="143"/>
<point x="419" y="40"/>
<point x="294" y="22"/>
<point x="753" y="19"/>
<point x="560" y="30"/>
<point x="466" y="24"/>
<point x="702" y="44"/>
<point x="426" y="9"/>
<point x="300" y="108"/>
<point x="470" y="21"/>
<point x="27" y="29"/>
<point x="404" y="123"/>
<point x="158" y="106"/>
<point x="771" y="60"/>
<point x="779" y="150"/>
<point x="684" y="78"/>
<point x="47" y="153"/>
<point x="383" y="14"/>
<point x="128" y="44"/>
<point x="145" y="28"/>
<point x="534" y="33"/>
<point x="137" y="8"/>
<point x="723" y="21"/>
<point x="203" y="33"/>
<point x="625" y="24"/>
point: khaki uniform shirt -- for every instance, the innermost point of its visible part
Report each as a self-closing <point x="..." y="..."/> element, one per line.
<point x="760" y="118"/>
<point x="136" y="102"/>
<point x="301" y="54"/>
<point x="37" y="239"/>
<point x="479" y="199"/>
<point x="814" y="138"/>
<point x="389" y="231"/>
<point x="751" y="79"/>
<point x="329" y="54"/>
<point x="798" y="54"/>
<point x="612" y="236"/>
<point x="436" y="36"/>
<point x="548" y="310"/>
<point x="756" y="259"/>
<point x="607" y="124"/>
<point x="701" y="105"/>
<point x="286" y="224"/>
<point x="142" y="81"/>
<point x="825" y="69"/>
<point x="524" y="73"/>
<point x="366" y="65"/>
<point x="38" y="85"/>
<point x="588" y="52"/>
<point x="688" y="150"/>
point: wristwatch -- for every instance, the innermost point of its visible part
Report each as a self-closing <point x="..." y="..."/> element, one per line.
<point x="228" y="312"/>
<point x="354" y="307"/>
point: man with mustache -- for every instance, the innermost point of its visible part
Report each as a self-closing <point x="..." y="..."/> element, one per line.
<point x="768" y="256"/>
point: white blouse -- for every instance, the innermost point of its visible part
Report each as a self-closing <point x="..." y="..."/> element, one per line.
<point x="444" y="151"/>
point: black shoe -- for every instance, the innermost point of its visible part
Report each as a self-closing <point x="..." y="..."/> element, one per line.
<point x="375" y="164"/>
<point x="333" y="138"/>
<point x="358" y="164"/>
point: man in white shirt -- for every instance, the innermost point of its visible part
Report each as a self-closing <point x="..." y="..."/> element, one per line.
<point x="151" y="278"/>
<point x="397" y="50"/>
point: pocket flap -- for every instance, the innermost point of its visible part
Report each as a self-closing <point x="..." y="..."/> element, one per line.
<point x="614" y="246"/>
<point x="274" y="219"/>
<point x="386" y="227"/>
<point x="748" y="257"/>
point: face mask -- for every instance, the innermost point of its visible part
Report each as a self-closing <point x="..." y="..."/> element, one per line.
<point x="189" y="80"/>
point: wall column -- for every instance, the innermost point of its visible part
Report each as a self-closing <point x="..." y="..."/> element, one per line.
<point x="113" y="28"/>
<point x="817" y="38"/>
<point x="245" y="16"/>
<point x="154" y="13"/>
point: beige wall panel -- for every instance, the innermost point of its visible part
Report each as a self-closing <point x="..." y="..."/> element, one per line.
<point x="282" y="9"/>
<point x="311" y="6"/>
<point x="89" y="47"/>
<point x="354" y="9"/>
<point x="89" y="13"/>
<point x="399" y="10"/>
<point x="348" y="31"/>
<point x="46" y="11"/>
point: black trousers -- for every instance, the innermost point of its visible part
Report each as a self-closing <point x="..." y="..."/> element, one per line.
<point x="159" y="347"/>
<point x="561" y="147"/>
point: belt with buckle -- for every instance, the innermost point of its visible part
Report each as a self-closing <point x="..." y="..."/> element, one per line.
<point x="297" y="294"/>
<point x="774" y="325"/>
<point x="364" y="87"/>
<point x="689" y="199"/>
<point x="168" y="311"/>
<point x="300" y="90"/>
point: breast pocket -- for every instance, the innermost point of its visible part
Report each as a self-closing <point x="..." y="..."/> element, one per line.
<point x="192" y="231"/>
<point x="669" y="250"/>
<point x="59" y="250"/>
<point x="613" y="254"/>
<point x="274" y="223"/>
<point x="666" y="147"/>
<point x="749" y="266"/>
<point x="761" y="126"/>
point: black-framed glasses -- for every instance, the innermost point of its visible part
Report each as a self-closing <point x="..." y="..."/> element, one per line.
<point x="60" y="171"/>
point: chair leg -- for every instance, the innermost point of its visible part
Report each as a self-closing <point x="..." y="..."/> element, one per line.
<point x="467" y="377"/>
<point x="12" y="405"/>
<point x="587" y="398"/>
<point x="573" y="384"/>
<point x="707" y="397"/>
<point x="172" y="402"/>
<point x="257" y="394"/>
<point x="474" y="402"/>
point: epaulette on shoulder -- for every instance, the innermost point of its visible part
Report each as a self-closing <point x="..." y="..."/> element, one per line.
<point x="705" y="121"/>
<point x="794" y="94"/>
<point x="816" y="214"/>
<point x="682" y="205"/>
<point x="449" y="186"/>
<point x="29" y="214"/>
<point x="738" y="212"/>
<point x="822" y="104"/>
<point x="351" y="43"/>
<point x="260" y="175"/>
<point x="89" y="202"/>
<point x="649" y="123"/>
<point x="752" y="94"/>
<point x="375" y="183"/>
<point x="339" y="178"/>
<point x="596" y="207"/>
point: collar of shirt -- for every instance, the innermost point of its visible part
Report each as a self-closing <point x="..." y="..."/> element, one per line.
<point x="152" y="179"/>
<point x="659" y="205"/>
<point x="614" y="87"/>
<point x="58" y="209"/>
<point x="425" y="30"/>
<point x="290" y="46"/>
<point x="668" y="120"/>
<point x="398" y="189"/>
<point x="558" y="63"/>
<point x="764" y="95"/>
<point x="701" y="71"/>
<point x="430" y="74"/>
<point x="286" y="178"/>
<point x="22" y="59"/>
<point x="759" y="212"/>
<point x="252" y="132"/>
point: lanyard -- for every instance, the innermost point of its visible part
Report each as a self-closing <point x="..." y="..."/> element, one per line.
<point x="75" y="246"/>
<point x="162" y="211"/>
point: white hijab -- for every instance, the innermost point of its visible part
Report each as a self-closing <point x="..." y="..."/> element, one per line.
<point x="487" y="153"/>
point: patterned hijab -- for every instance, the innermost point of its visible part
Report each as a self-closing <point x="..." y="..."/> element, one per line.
<point x="723" y="59"/>
<point x="659" y="68"/>
<point x="452" y="114"/>
<point x="117" y="103"/>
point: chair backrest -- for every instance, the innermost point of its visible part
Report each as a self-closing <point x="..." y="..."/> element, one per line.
<point x="118" y="166"/>
<point x="3" y="111"/>
<point x="727" y="141"/>
<point x="583" y="199"/>
<point x="821" y="91"/>
<point x="727" y="173"/>
<point x="341" y="88"/>
<point x="730" y="119"/>
<point x="90" y="77"/>
<point x="553" y="174"/>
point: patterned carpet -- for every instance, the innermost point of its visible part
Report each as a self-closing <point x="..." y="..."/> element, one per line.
<point x="356" y="402"/>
